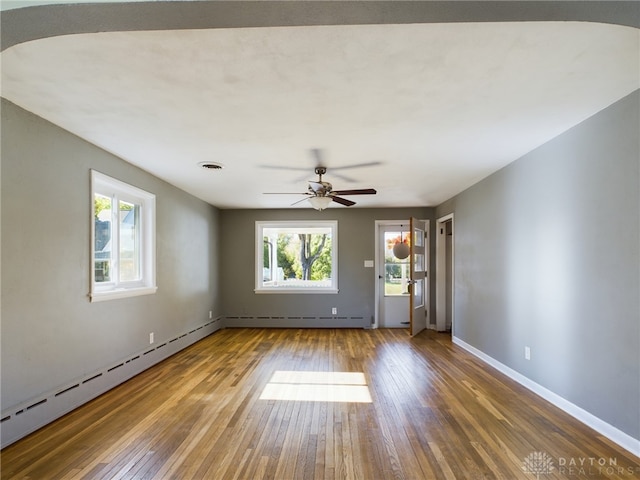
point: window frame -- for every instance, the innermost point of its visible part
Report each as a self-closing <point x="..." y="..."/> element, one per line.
<point x="260" y="288"/>
<point x="118" y="191"/>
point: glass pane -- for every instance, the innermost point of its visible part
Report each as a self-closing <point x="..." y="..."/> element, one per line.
<point x="418" y="235"/>
<point x="418" y="264"/>
<point x="102" y="238"/>
<point x="129" y="222"/>
<point x="297" y="257"/>
<point x="396" y="270"/>
<point x="417" y="294"/>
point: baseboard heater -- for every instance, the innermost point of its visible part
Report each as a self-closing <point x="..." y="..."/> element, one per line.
<point x="29" y="416"/>
<point x="329" y="321"/>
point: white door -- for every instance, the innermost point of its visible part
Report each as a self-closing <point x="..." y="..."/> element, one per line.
<point x="393" y="277"/>
<point x="418" y="274"/>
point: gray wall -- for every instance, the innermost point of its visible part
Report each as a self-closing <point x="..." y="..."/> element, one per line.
<point x="356" y="243"/>
<point x="547" y="255"/>
<point x="51" y="333"/>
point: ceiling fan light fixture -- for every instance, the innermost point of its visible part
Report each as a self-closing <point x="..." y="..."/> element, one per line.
<point x="320" y="194"/>
<point x="320" y="203"/>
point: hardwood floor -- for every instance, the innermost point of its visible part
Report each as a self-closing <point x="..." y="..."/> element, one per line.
<point x="436" y="412"/>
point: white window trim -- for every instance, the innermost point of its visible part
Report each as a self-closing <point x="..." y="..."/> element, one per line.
<point x="103" y="184"/>
<point x="260" y="225"/>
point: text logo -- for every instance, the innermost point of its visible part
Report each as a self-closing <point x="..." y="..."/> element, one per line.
<point x="538" y="463"/>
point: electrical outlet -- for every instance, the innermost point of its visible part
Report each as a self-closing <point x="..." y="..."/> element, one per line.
<point x="334" y="311"/>
<point x="210" y="314"/>
<point x="527" y="353"/>
<point x="151" y="337"/>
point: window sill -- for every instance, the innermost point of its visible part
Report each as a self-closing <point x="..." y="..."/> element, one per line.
<point x="299" y="291"/>
<point x="121" y="293"/>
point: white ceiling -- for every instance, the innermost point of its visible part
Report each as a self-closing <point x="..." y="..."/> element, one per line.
<point x="440" y="106"/>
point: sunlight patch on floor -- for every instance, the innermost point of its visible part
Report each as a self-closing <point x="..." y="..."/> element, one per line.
<point x="348" y="387"/>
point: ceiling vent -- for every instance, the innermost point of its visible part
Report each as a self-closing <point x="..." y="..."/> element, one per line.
<point x="211" y="165"/>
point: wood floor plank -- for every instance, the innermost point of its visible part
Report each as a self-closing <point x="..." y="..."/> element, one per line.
<point x="436" y="412"/>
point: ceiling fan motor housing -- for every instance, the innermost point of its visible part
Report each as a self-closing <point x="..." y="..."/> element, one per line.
<point x="320" y="189"/>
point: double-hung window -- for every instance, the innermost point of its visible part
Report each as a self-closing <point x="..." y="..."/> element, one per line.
<point x="123" y="239"/>
<point x="297" y="257"/>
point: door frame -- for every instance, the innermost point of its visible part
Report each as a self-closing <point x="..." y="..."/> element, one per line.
<point x="441" y="276"/>
<point x="377" y="253"/>
<point x="378" y="226"/>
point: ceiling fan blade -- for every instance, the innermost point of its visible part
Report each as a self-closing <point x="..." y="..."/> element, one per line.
<point x="356" y="165"/>
<point x="343" y="201"/>
<point x="361" y="191"/>
<point x="280" y="167"/>
<point x="285" y="193"/>
<point x="299" y="201"/>
<point x="344" y="177"/>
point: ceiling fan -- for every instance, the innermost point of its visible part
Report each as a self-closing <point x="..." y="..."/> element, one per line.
<point x="320" y="194"/>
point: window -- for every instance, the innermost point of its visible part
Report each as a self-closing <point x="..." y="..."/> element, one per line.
<point x="123" y="239"/>
<point x="397" y="273"/>
<point x="297" y="257"/>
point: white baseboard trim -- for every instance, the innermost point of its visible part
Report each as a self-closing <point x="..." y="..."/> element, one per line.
<point x="612" y="433"/>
